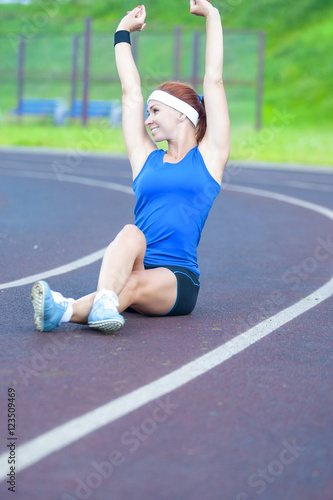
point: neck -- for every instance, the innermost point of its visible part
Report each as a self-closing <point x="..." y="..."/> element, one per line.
<point x="178" y="148"/>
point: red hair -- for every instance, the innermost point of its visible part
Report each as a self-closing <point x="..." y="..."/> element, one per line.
<point x="188" y="95"/>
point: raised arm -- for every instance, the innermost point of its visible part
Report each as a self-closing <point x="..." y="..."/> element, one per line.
<point x="215" y="146"/>
<point x="137" y="140"/>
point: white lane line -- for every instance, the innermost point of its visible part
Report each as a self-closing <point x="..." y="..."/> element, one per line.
<point x="327" y="212"/>
<point x="84" y="261"/>
<point x="71" y="266"/>
<point x="313" y="186"/>
<point x="40" y="168"/>
<point x="309" y="185"/>
<point x="44" y="445"/>
<point x="36" y="449"/>
<point x="89" y="259"/>
<point x="71" y="178"/>
<point x="299" y="167"/>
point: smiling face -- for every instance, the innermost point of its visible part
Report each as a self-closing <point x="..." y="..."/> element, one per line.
<point x="162" y="121"/>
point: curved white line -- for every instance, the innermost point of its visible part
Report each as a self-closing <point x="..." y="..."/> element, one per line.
<point x="76" y="264"/>
<point x="284" y="198"/>
<point x="36" y="449"/>
<point x="93" y="257"/>
<point x="66" y="268"/>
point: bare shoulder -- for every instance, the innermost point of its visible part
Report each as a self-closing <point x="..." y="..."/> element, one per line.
<point x="215" y="158"/>
<point x="138" y="155"/>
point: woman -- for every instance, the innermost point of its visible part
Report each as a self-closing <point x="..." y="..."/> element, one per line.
<point x="151" y="266"/>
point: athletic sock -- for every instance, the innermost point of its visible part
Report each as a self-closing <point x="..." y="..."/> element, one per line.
<point x="60" y="299"/>
<point x="67" y="314"/>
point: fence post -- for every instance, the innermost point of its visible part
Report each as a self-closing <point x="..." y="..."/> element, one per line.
<point x="20" y="74"/>
<point x="134" y="47"/>
<point x="74" y="73"/>
<point x="176" y="52"/>
<point x="87" y="37"/>
<point x="195" y="60"/>
<point x="260" y="78"/>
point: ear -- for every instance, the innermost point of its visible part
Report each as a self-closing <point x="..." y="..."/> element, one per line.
<point x="181" y="117"/>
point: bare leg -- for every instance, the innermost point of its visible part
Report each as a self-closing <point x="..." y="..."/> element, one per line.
<point x="152" y="291"/>
<point x="123" y="256"/>
<point x="82" y="308"/>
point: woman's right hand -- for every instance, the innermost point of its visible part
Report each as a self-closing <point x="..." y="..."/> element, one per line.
<point x="201" y="7"/>
<point x="134" y="20"/>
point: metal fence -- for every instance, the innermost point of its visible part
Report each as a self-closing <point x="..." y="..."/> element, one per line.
<point x="82" y="66"/>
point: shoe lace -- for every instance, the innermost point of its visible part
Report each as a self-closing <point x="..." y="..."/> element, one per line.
<point x="110" y="300"/>
<point x="60" y="299"/>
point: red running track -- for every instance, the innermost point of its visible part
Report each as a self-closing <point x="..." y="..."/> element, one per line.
<point x="250" y="417"/>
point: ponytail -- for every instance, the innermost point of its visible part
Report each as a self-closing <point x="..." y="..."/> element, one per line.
<point x="202" y="122"/>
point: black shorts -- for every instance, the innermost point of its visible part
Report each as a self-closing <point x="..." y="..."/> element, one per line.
<point x="188" y="285"/>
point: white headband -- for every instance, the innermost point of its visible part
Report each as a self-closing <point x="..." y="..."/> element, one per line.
<point x="175" y="103"/>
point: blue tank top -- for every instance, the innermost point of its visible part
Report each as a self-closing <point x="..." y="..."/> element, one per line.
<point x="172" y="204"/>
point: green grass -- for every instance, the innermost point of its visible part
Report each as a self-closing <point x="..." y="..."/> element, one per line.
<point x="275" y="143"/>
<point x="288" y="144"/>
<point x="94" y="137"/>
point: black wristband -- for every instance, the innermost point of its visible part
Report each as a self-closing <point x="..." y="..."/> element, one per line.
<point x="122" y="36"/>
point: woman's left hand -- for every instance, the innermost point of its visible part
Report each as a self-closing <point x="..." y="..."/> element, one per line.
<point x="134" y="20"/>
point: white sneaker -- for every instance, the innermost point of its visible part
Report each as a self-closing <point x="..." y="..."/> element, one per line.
<point x="104" y="314"/>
